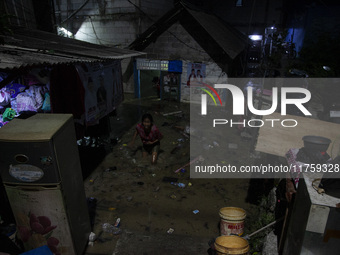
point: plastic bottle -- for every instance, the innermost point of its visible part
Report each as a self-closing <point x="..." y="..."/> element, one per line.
<point x="179" y="184"/>
<point x="117" y="223"/>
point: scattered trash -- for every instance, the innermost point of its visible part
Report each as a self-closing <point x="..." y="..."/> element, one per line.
<point x="207" y="147"/>
<point x="88" y="141"/>
<point x="192" y="161"/>
<point x="189" y="184"/>
<point x="233" y="146"/>
<point x="182" y="170"/>
<point x="94" y="142"/>
<point x="134" y="161"/>
<point x="117" y="223"/>
<point x="173" y="196"/>
<point x="179" y="184"/>
<point x="172" y="113"/>
<point x="169" y="179"/>
<point x="92" y="237"/>
<point x="246" y="135"/>
<point x="157" y="189"/>
<point x="85" y="141"/>
<point x="174" y="150"/>
<point x="93" y="180"/>
<point x="186" y="135"/>
<point x="180" y="128"/>
<point x="115" y="140"/>
<point x="255" y="154"/>
<point x="170" y="231"/>
<point x="153" y="175"/>
<point x="112" y="208"/>
<point x="108" y="228"/>
<point x="216" y="144"/>
<point x="110" y="169"/>
<point x="184" y="130"/>
<point x="181" y="140"/>
<point x="129" y="198"/>
<point x="196" y="211"/>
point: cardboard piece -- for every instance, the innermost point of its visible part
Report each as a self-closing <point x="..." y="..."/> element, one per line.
<point x="278" y="140"/>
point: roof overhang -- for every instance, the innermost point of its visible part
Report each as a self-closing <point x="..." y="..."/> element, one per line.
<point x="231" y="41"/>
<point x="29" y="48"/>
<point x="220" y="40"/>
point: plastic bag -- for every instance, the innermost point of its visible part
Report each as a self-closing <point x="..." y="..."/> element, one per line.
<point x="5" y="97"/>
<point x="47" y="103"/>
<point x="8" y="115"/>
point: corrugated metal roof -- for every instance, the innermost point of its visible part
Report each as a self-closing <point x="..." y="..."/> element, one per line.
<point x="14" y="57"/>
<point x="28" y="48"/>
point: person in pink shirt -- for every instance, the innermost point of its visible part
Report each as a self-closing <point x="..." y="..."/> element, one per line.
<point x="150" y="136"/>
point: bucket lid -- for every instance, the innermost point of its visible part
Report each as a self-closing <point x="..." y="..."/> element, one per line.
<point x="231" y="245"/>
<point x="232" y="213"/>
<point x="316" y="139"/>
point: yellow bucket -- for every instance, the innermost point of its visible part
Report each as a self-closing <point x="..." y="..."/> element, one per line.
<point x="231" y="245"/>
<point x="232" y="221"/>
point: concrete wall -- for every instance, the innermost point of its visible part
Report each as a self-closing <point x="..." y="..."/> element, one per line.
<point x="253" y="16"/>
<point x="177" y="44"/>
<point x="118" y="23"/>
<point x="113" y="23"/>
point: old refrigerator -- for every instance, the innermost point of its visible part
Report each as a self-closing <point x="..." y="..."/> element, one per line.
<point x="41" y="172"/>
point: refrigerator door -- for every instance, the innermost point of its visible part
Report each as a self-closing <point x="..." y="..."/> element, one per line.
<point x="35" y="150"/>
<point x="41" y="218"/>
<point x="28" y="163"/>
<point x="40" y="167"/>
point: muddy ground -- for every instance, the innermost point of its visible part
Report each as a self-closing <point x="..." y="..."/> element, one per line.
<point x="128" y="187"/>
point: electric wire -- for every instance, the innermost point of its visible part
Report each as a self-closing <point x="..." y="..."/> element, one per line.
<point x="75" y="12"/>
<point x="14" y="8"/>
<point x="20" y="6"/>
<point x="94" y="31"/>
